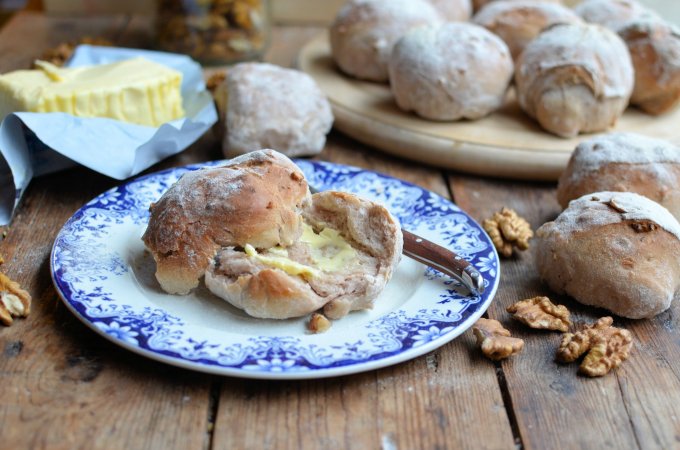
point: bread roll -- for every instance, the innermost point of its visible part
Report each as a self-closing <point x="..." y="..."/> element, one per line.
<point x="519" y="22"/>
<point x="624" y="162"/>
<point x="266" y="290"/>
<point x="266" y="106"/>
<point x="615" y="250"/>
<point x="364" y="31"/>
<point x="255" y="198"/>
<point x="575" y="78"/>
<point x="612" y="13"/>
<point x="453" y="10"/>
<point x="454" y="71"/>
<point x="479" y="4"/>
<point x="655" y="50"/>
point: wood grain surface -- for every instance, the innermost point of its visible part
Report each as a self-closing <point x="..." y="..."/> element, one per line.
<point x="64" y="387"/>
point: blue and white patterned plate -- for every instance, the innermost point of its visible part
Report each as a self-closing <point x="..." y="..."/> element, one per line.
<point x="104" y="275"/>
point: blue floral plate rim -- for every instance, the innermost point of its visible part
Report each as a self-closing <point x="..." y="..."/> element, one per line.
<point x="84" y="267"/>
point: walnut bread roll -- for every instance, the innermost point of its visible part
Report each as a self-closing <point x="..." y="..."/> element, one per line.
<point x="655" y="49"/>
<point x="346" y="255"/>
<point x="615" y="250"/>
<point x="364" y="31"/>
<point x="625" y="162"/>
<point x="519" y="22"/>
<point x="254" y="199"/>
<point x="266" y="106"/>
<point x="575" y="78"/>
<point x="450" y="72"/>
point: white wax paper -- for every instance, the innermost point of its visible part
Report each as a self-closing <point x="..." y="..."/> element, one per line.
<point x="111" y="147"/>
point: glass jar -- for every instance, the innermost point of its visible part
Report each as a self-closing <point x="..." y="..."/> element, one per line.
<point x="214" y="31"/>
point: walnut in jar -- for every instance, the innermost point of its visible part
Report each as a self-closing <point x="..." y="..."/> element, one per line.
<point x="214" y="31"/>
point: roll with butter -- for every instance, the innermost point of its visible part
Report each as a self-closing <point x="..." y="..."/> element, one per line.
<point x="266" y="246"/>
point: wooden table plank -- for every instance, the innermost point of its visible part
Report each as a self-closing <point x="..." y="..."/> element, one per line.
<point x="636" y="407"/>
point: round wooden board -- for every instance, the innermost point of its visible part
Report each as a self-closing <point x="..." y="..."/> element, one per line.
<point x="506" y="144"/>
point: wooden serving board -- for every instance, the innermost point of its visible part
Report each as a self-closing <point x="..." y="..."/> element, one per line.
<point x="506" y="144"/>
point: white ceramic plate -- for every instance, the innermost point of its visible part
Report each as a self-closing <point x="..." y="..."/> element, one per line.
<point x="104" y="275"/>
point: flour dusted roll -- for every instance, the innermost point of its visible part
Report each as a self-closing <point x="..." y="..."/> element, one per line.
<point x="519" y="22"/>
<point x="615" y="250"/>
<point x="624" y="162"/>
<point x="364" y="31"/>
<point x="575" y="78"/>
<point x="612" y="13"/>
<point x="343" y="260"/>
<point x="453" y="10"/>
<point x="267" y="106"/>
<point x="256" y="198"/>
<point x="450" y="72"/>
<point x="654" y="46"/>
<point x="479" y="4"/>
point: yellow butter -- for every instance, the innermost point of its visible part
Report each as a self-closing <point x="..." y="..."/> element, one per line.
<point x="329" y="251"/>
<point x="281" y="262"/>
<point x="135" y="90"/>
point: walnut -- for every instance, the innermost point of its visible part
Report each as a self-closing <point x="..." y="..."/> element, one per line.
<point x="495" y="340"/>
<point x="215" y="80"/>
<point x="507" y="230"/>
<point x="607" y="347"/>
<point x="318" y="323"/>
<point x="62" y="52"/>
<point x="14" y="301"/>
<point x="541" y="313"/>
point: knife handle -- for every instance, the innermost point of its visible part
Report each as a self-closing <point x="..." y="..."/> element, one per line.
<point x="444" y="260"/>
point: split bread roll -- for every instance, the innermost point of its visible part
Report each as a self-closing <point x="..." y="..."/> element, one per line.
<point x="624" y="162"/>
<point x="343" y="260"/>
<point x="519" y="22"/>
<point x="364" y="31"/>
<point x="265" y="245"/>
<point x="575" y="78"/>
<point x="615" y="250"/>
<point x="254" y="199"/>
<point x="450" y="72"/>
<point x="654" y="47"/>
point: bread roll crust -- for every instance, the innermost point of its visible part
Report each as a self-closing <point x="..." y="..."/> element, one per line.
<point x="255" y="198"/>
<point x="612" y="13"/>
<point x="575" y="78"/>
<point x="450" y="72"/>
<point x="519" y="22"/>
<point x="618" y="251"/>
<point x="267" y="292"/>
<point x="266" y="106"/>
<point x="624" y="162"/>
<point x="364" y="31"/>
<point x="655" y="51"/>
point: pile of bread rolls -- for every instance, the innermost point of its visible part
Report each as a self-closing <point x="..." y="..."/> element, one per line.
<point x="617" y="243"/>
<point x="574" y="71"/>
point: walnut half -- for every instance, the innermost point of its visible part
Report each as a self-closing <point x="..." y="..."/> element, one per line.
<point x="495" y="341"/>
<point x="318" y="323"/>
<point x="14" y="301"/>
<point x="507" y="231"/>
<point x="607" y="347"/>
<point x="541" y="313"/>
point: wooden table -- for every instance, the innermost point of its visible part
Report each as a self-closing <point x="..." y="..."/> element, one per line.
<point x="63" y="386"/>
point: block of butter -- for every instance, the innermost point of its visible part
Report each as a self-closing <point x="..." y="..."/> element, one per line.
<point x="134" y="90"/>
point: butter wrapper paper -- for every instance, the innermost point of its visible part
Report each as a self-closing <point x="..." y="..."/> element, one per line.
<point x="33" y="144"/>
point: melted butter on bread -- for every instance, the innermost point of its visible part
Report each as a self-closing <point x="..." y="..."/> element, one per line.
<point x="281" y="262"/>
<point x="134" y="90"/>
<point x="328" y="250"/>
